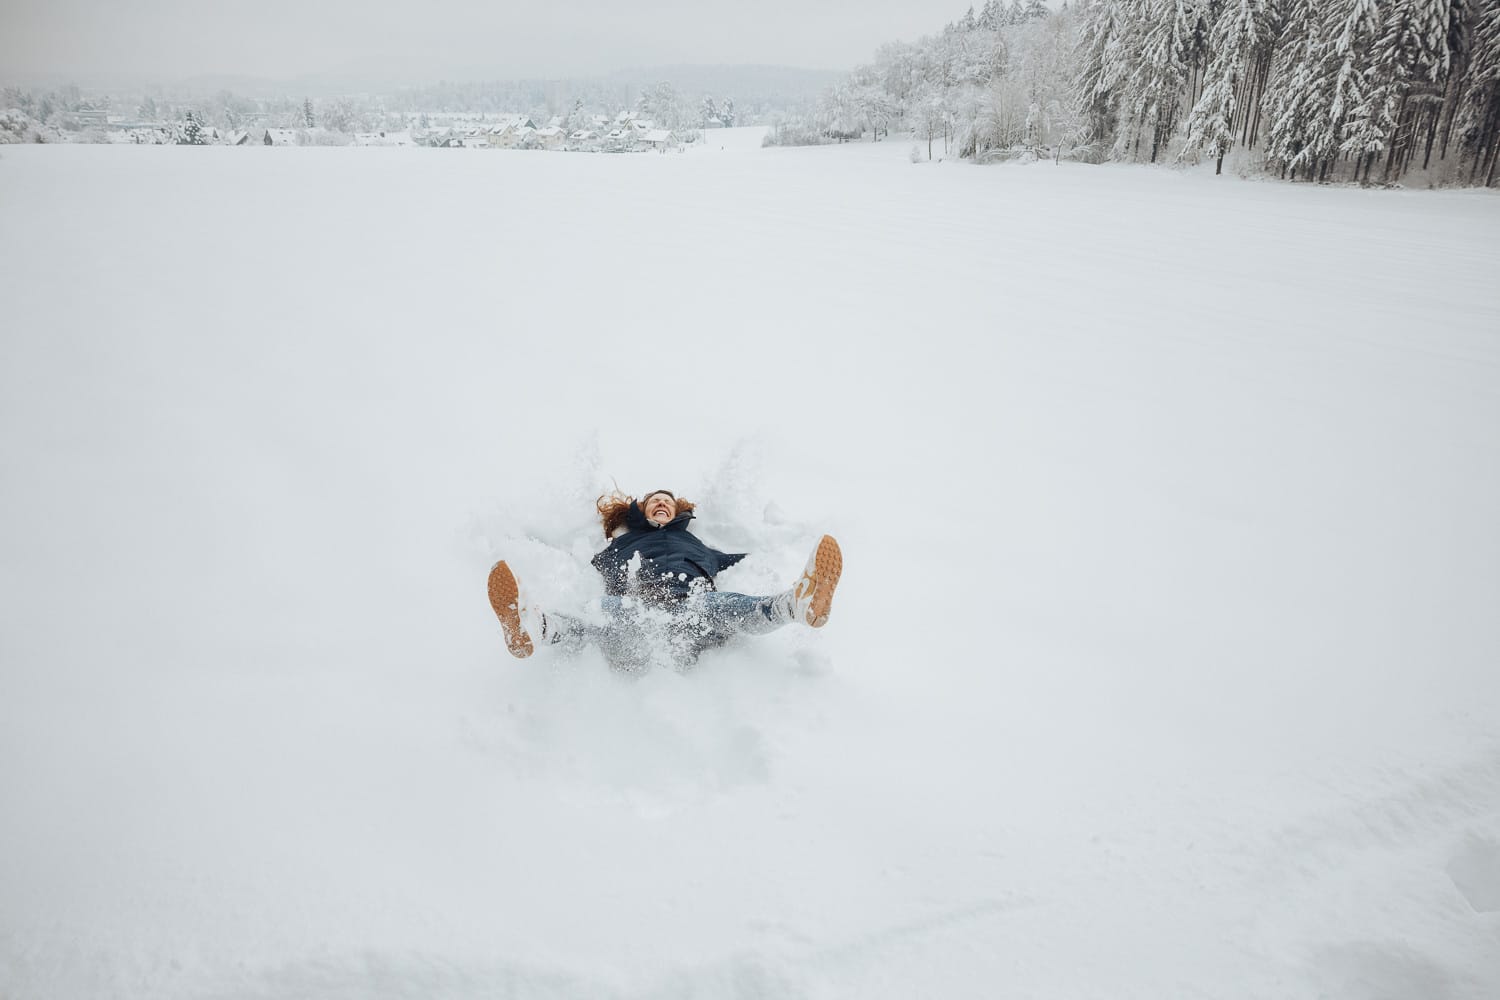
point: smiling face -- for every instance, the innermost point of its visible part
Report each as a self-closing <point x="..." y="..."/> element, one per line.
<point x="659" y="507"/>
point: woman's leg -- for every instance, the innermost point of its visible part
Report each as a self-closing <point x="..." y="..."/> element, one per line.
<point x="632" y="637"/>
<point x="618" y="636"/>
<point x="730" y="614"/>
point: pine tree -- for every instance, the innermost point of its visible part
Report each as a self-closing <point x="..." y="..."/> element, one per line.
<point x="1234" y="42"/>
<point x="307" y="112"/>
<point x="1153" y="90"/>
<point x="1478" y="119"/>
<point x="192" y="132"/>
<point x="1349" y="28"/>
<point x="1411" y="45"/>
<point x="1101" y="68"/>
<point x="1299" y="135"/>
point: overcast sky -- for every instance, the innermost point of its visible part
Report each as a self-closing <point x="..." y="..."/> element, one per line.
<point x="421" y="40"/>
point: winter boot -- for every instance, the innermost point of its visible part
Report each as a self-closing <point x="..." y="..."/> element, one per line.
<point x="812" y="595"/>
<point x="505" y="598"/>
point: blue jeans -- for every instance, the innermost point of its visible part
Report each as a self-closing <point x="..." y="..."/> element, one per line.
<point x="634" y="635"/>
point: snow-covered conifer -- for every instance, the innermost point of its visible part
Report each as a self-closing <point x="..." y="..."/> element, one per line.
<point x="1300" y="134"/>
<point x="1158" y="70"/>
<point x="192" y="131"/>
<point x="1100" y="66"/>
<point x="1234" y="41"/>
<point x="1411" y="45"/>
<point x="1478" y="119"/>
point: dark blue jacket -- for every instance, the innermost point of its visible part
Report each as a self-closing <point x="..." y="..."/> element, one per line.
<point x="672" y="557"/>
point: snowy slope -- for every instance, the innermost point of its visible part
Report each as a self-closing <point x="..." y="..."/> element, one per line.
<point x="1165" y="663"/>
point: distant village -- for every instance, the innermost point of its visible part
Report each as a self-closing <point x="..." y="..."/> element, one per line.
<point x="626" y="132"/>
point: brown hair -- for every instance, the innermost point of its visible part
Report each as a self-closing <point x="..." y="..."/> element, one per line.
<point x="614" y="506"/>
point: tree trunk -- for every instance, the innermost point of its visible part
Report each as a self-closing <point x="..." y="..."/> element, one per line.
<point x="1260" y="96"/>
<point x="1219" y="166"/>
<point x="1394" y="143"/>
<point x="1488" y="149"/>
<point x="1241" y="97"/>
<point x="1450" y="106"/>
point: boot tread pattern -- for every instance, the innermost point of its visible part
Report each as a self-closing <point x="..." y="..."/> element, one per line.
<point x="828" y="565"/>
<point x="505" y="598"/>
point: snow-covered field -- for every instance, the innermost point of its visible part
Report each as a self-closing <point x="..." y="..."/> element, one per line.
<point x="1167" y="662"/>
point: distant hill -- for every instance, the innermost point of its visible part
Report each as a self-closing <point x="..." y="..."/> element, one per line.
<point x="761" y="84"/>
<point x="771" y="85"/>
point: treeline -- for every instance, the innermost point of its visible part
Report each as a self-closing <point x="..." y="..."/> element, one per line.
<point x="1351" y="89"/>
<point x="223" y="110"/>
<point x="672" y="102"/>
<point x="995" y="81"/>
<point x="1363" y="90"/>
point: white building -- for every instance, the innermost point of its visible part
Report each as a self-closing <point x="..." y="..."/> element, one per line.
<point x="659" y="139"/>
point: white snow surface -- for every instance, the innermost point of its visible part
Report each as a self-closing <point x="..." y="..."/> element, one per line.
<point x="1166" y="661"/>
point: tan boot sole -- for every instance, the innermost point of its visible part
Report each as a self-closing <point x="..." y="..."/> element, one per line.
<point x="828" y="566"/>
<point x="505" y="598"/>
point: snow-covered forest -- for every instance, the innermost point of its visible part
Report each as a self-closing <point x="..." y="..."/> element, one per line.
<point x="1368" y="90"/>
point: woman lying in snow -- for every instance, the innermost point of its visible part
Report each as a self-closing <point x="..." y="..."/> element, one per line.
<point x="659" y="587"/>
